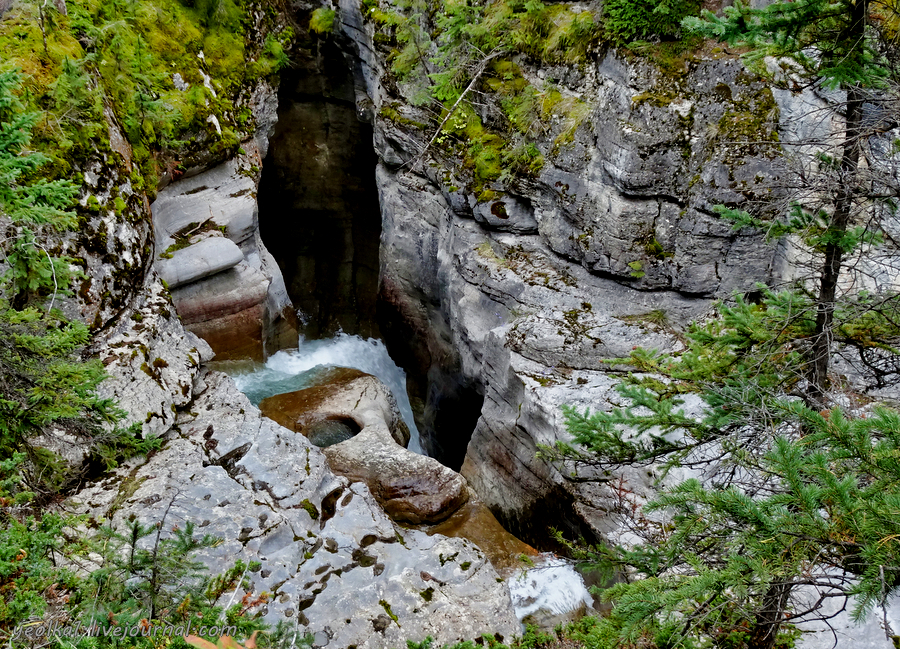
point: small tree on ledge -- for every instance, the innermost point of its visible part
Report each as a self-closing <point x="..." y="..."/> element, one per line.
<point x="789" y="508"/>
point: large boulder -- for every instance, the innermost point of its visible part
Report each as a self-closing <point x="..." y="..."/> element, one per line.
<point x="344" y="394"/>
<point x="412" y="488"/>
<point x="205" y="258"/>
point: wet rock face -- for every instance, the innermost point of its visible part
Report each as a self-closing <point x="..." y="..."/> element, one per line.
<point x="318" y="203"/>
<point x="475" y="522"/>
<point x="414" y="315"/>
<point x="445" y="401"/>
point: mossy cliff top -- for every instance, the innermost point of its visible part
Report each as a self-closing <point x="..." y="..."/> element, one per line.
<point x="174" y="75"/>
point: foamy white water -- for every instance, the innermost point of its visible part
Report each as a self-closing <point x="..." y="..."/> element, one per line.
<point x="553" y="585"/>
<point x="295" y="369"/>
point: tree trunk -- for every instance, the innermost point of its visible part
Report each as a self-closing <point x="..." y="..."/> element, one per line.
<point x="820" y="350"/>
<point x="43" y="27"/>
<point x="767" y="622"/>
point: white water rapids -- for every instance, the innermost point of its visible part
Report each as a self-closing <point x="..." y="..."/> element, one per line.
<point x="295" y="369"/>
<point x="552" y="585"/>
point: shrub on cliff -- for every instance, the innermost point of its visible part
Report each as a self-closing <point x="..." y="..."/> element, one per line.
<point x="46" y="389"/>
<point x="631" y="20"/>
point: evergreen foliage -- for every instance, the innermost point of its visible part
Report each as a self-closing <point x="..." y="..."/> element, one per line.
<point x="32" y="207"/>
<point x="826" y="39"/>
<point x="29" y="545"/>
<point x="138" y="580"/>
<point x="47" y="391"/>
<point x="634" y="20"/>
<point x="145" y="576"/>
<point x="833" y="44"/>
<point x="322" y="20"/>
<point x="64" y="79"/>
<point x="45" y="388"/>
<point x="786" y="496"/>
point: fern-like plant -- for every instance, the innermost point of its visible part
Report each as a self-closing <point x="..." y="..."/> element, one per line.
<point x="322" y="20"/>
<point x="632" y="20"/>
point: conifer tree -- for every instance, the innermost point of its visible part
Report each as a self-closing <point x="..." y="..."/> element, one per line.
<point x="782" y="501"/>
<point x="832" y="44"/>
<point x="785" y="497"/>
<point x="45" y="386"/>
<point x="30" y="209"/>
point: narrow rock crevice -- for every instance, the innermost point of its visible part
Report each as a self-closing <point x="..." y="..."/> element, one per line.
<point x="319" y="213"/>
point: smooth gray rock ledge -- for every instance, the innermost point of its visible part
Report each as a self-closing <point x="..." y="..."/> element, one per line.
<point x="202" y="259"/>
<point x="332" y="561"/>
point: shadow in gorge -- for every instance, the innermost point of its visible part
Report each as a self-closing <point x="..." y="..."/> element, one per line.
<point x="320" y="218"/>
<point x="446" y="403"/>
<point x="318" y="202"/>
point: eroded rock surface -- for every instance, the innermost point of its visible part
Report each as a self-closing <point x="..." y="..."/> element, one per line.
<point x="344" y="393"/>
<point x="225" y="284"/>
<point x="205" y="258"/>
<point x="508" y="296"/>
<point x="411" y="488"/>
<point x="331" y="559"/>
<point x="531" y="328"/>
<point x="152" y="361"/>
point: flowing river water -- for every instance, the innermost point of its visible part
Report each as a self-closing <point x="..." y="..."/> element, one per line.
<point x="295" y="369"/>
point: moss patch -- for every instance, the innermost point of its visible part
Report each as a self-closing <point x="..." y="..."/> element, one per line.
<point x="162" y="67"/>
<point x="390" y="613"/>
<point x="310" y="509"/>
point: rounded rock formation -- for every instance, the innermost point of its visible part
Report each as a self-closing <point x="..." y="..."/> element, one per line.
<point x="356" y="417"/>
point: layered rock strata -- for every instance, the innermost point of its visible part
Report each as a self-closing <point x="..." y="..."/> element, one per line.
<point x="225" y="285"/>
<point x="514" y="295"/>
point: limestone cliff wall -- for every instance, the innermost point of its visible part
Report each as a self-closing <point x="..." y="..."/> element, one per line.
<point x="332" y="562"/>
<point x="501" y="302"/>
<point x="512" y="293"/>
